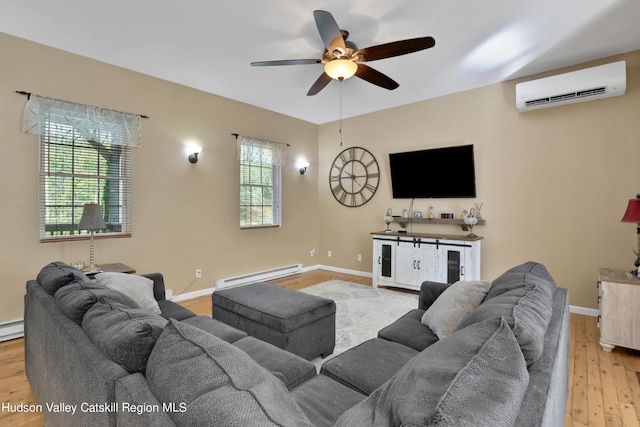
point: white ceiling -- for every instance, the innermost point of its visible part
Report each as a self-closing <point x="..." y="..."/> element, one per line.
<point x="208" y="45"/>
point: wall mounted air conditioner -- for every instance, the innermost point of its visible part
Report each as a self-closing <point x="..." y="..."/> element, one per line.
<point x="589" y="84"/>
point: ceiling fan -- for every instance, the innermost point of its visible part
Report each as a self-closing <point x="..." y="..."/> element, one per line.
<point x="342" y="58"/>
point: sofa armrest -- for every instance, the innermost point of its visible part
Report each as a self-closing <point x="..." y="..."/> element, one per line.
<point x="429" y="292"/>
<point x="158" y="285"/>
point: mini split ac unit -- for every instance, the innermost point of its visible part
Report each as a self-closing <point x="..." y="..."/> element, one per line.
<point x="589" y="84"/>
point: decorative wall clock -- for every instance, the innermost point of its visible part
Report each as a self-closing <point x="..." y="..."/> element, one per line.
<point x="354" y="177"/>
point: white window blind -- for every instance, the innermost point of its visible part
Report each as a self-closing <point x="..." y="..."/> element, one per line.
<point x="83" y="159"/>
<point x="260" y="182"/>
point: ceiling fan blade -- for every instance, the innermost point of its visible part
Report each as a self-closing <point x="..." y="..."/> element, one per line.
<point x="286" y="62"/>
<point x="319" y="84"/>
<point x="402" y="47"/>
<point x="329" y="31"/>
<point x="376" y="77"/>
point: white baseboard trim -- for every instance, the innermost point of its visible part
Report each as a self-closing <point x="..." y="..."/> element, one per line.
<point x="193" y="294"/>
<point x="11" y="329"/>
<point x="584" y="311"/>
<point x="209" y="291"/>
<point x="338" y="270"/>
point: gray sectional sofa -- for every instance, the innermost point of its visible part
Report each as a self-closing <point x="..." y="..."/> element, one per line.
<point x="504" y="364"/>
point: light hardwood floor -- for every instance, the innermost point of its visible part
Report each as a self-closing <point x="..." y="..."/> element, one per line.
<point x="603" y="387"/>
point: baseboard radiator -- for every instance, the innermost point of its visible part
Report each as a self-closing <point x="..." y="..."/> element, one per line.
<point x="259" y="276"/>
<point x="11" y="329"/>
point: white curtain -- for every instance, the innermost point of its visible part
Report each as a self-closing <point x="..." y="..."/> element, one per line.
<point x="261" y="151"/>
<point x="92" y="123"/>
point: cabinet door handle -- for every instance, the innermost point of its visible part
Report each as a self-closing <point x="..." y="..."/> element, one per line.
<point x="418" y="264"/>
<point x="462" y="271"/>
<point x="380" y="259"/>
<point x="414" y="264"/>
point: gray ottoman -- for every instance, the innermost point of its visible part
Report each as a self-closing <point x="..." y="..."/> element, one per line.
<point x="299" y="323"/>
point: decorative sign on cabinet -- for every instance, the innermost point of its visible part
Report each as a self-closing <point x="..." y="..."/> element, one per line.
<point x="405" y="260"/>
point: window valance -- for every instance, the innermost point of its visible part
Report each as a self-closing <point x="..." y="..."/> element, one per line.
<point x="92" y="123"/>
<point x="261" y="151"/>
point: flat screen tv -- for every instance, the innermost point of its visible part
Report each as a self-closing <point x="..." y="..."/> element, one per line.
<point x="435" y="173"/>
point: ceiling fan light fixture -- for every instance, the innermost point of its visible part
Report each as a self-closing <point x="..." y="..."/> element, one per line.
<point x="340" y="69"/>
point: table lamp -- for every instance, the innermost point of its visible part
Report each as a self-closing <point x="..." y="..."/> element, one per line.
<point x="633" y="215"/>
<point x="91" y="221"/>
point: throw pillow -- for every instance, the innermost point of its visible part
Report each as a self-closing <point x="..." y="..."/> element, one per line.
<point x="76" y="299"/>
<point x="475" y="377"/>
<point x="125" y="335"/>
<point x="218" y="383"/>
<point x="138" y="288"/>
<point x="448" y="310"/>
<point x="57" y="274"/>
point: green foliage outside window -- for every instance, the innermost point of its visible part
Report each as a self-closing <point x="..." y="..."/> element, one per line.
<point x="259" y="192"/>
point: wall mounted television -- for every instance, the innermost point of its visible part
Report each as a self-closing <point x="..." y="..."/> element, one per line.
<point x="447" y="172"/>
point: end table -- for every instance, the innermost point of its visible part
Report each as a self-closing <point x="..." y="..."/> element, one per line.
<point x="618" y="300"/>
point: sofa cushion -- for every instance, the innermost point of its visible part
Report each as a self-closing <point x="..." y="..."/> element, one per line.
<point x="172" y="310"/>
<point x="138" y="288"/>
<point x="57" y="274"/>
<point x="367" y="366"/>
<point x="125" y="335"/>
<point x="453" y="305"/>
<point x="292" y="370"/>
<point x="409" y="331"/>
<point x="215" y="327"/>
<point x="218" y="383"/>
<point x="76" y="299"/>
<point x="474" y="377"/>
<point x="527" y="309"/>
<point x="515" y="277"/>
<point x="323" y="400"/>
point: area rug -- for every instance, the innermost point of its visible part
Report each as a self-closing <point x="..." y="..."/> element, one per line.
<point x="361" y="311"/>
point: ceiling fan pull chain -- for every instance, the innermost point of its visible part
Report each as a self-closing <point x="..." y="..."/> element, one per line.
<point x="340" y="110"/>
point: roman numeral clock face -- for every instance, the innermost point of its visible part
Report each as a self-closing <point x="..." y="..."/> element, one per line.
<point x="354" y="177"/>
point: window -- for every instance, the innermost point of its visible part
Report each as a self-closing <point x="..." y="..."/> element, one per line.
<point x="74" y="171"/>
<point x="85" y="157"/>
<point x="260" y="185"/>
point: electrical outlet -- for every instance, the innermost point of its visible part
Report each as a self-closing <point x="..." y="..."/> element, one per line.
<point x="359" y="257"/>
<point x="312" y="252"/>
<point x="329" y="254"/>
<point x="198" y="274"/>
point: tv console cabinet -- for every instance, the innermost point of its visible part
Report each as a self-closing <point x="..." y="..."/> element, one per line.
<point x="405" y="260"/>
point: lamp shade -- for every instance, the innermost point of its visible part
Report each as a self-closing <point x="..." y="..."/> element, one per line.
<point x="91" y="218"/>
<point x="633" y="211"/>
<point x="340" y="69"/>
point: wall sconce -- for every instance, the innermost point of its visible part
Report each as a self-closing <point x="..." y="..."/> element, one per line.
<point x="303" y="165"/>
<point x="193" y="157"/>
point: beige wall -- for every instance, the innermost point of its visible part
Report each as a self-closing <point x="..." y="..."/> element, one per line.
<point x="554" y="182"/>
<point x="185" y="216"/>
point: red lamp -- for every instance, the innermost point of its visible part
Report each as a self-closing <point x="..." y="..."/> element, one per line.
<point x="633" y="215"/>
